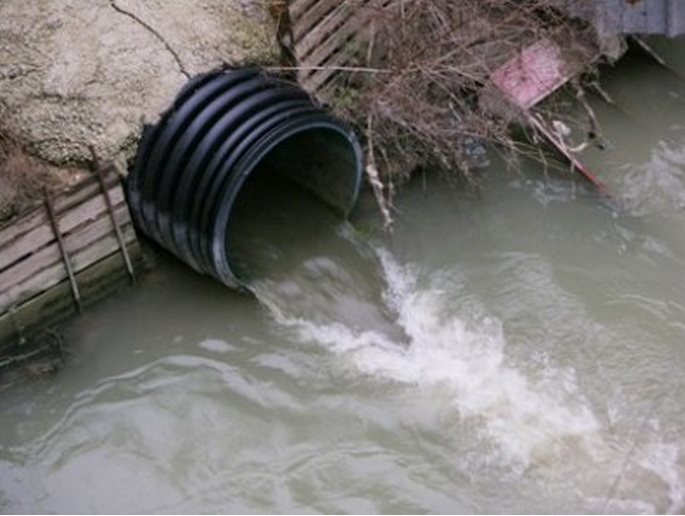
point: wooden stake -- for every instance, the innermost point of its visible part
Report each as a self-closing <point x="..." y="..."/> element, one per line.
<point x="117" y="230"/>
<point x="65" y="256"/>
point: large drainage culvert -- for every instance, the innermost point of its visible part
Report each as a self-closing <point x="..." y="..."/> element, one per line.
<point x="223" y="126"/>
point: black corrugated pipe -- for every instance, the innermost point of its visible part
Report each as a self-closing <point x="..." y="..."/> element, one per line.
<point x="191" y="165"/>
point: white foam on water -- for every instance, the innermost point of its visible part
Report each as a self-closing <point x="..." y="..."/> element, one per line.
<point x="460" y="350"/>
<point x="452" y="350"/>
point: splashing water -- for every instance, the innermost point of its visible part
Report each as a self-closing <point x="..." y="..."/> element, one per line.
<point x="420" y="328"/>
<point x="458" y="349"/>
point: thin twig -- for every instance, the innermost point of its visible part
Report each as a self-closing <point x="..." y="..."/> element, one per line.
<point x="353" y="69"/>
<point x="374" y="178"/>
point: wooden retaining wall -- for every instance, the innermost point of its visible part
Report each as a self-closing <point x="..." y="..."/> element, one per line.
<point x="63" y="255"/>
<point x="327" y="35"/>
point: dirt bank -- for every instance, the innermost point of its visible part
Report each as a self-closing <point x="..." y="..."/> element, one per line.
<point x="80" y="73"/>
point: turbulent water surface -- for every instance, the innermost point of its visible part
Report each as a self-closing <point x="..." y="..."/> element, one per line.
<point x="521" y="351"/>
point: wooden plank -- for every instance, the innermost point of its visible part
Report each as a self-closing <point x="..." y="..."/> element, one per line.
<point x="115" y="222"/>
<point x="66" y="260"/>
<point x="339" y="41"/>
<point x="302" y="24"/>
<point x="61" y="203"/>
<point x="55" y="304"/>
<point x="326" y="47"/>
<point x="55" y="273"/>
<point x="31" y="268"/>
<point x="84" y="190"/>
<point x="327" y="91"/>
<point x="50" y="255"/>
<point x="322" y="31"/>
<point x="335" y="52"/>
<point x="311" y="82"/>
<point x="89" y="210"/>
<point x="298" y="7"/>
<point x="35" y="238"/>
<point x="39" y="217"/>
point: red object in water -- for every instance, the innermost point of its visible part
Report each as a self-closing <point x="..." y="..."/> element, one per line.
<point x="529" y="77"/>
<point x="574" y="161"/>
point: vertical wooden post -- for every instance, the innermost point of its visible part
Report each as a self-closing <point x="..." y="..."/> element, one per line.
<point x="117" y="228"/>
<point x="63" y="251"/>
<point x="110" y="210"/>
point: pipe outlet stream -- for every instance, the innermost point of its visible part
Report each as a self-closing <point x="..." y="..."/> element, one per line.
<point x="222" y="127"/>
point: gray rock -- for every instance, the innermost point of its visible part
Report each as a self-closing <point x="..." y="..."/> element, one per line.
<point x="75" y="73"/>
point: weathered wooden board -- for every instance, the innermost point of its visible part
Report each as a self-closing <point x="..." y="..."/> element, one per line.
<point x="298" y="8"/>
<point x="327" y="35"/>
<point x="46" y="269"/>
<point x="39" y="233"/>
<point x="49" y="254"/>
<point x="310" y="17"/>
<point x="81" y="192"/>
<point x="41" y="274"/>
<point x="327" y="27"/>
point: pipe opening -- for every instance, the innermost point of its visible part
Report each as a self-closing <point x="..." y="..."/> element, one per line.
<point x="227" y="132"/>
<point x="320" y="160"/>
<point x="295" y="189"/>
<point x="273" y="217"/>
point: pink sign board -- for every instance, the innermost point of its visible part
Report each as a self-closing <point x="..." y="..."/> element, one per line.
<point x="532" y="74"/>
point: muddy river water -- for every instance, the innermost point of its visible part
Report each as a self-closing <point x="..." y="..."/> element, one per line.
<point x="522" y="351"/>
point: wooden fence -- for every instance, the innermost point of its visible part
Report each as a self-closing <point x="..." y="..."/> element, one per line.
<point x="328" y="35"/>
<point x="63" y="255"/>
